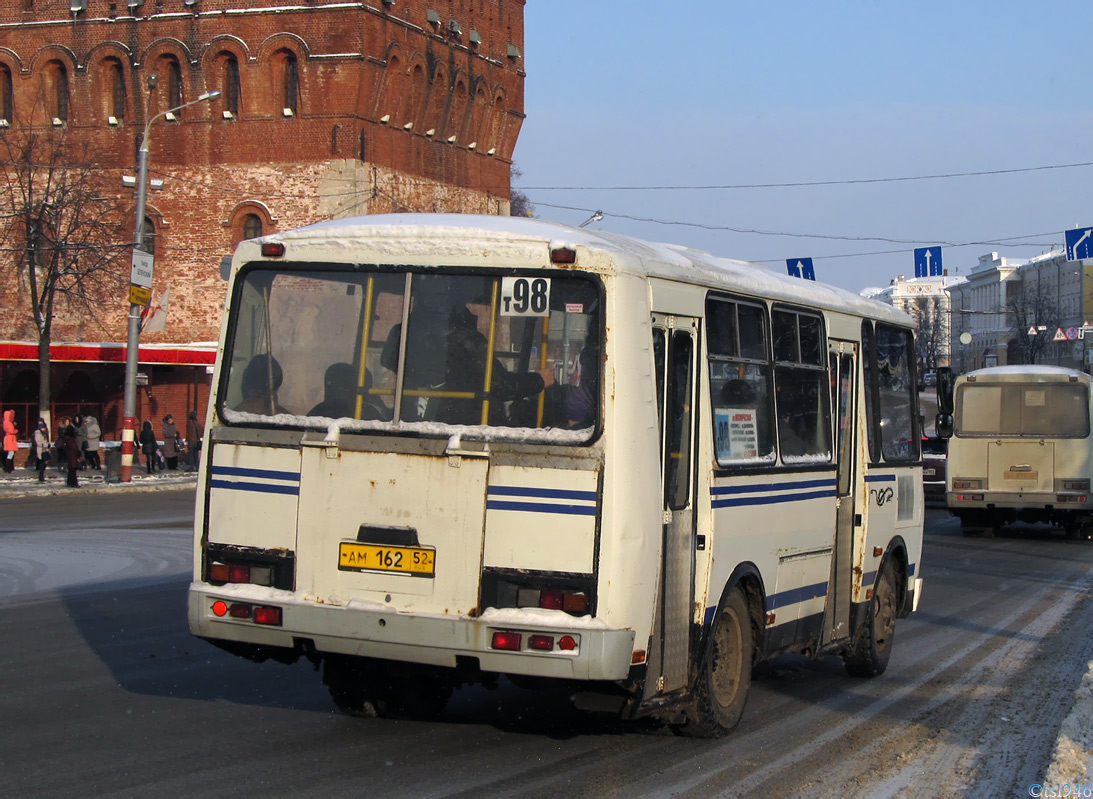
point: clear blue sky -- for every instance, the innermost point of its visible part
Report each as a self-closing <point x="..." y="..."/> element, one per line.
<point x="684" y="93"/>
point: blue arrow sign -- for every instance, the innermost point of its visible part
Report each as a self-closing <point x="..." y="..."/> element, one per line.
<point x="801" y="267"/>
<point x="928" y="261"/>
<point x="1079" y="243"/>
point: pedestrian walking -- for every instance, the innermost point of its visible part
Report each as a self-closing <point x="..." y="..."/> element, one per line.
<point x="81" y="436"/>
<point x="72" y="456"/>
<point x="194" y="433"/>
<point x="93" y="435"/>
<point x="11" y="440"/>
<point x="61" y="459"/>
<point x="172" y="442"/>
<point x="41" y="448"/>
<point x="148" y="446"/>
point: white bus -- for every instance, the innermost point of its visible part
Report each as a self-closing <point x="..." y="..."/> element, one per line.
<point x="1020" y="449"/>
<point x="442" y="449"/>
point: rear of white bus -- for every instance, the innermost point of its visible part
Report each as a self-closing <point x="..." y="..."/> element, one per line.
<point x="1020" y="449"/>
<point x="403" y="470"/>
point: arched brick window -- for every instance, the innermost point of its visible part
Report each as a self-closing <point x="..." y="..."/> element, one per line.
<point x="393" y="91"/>
<point x="497" y="127"/>
<point x="287" y="78"/>
<point x="57" y="90"/>
<point x="7" y="94"/>
<point x="458" y="112"/>
<point x="415" y="99"/>
<point x="479" y="129"/>
<point x="148" y="240"/>
<point x="115" y="87"/>
<point x="439" y="94"/>
<point x="173" y="82"/>
<point x="252" y="226"/>
<point x="229" y="83"/>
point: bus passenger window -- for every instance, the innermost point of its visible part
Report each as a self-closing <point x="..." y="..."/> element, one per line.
<point x="802" y="387"/>
<point x="739" y="363"/>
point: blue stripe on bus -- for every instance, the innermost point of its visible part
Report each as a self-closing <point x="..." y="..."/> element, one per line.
<point x="773" y="500"/>
<point x="542" y="507"/>
<point x="545" y="493"/>
<point x="264" y="474"/>
<point x="796" y="595"/>
<point x="752" y="489"/>
<point x="264" y="488"/>
<point x="880" y="478"/>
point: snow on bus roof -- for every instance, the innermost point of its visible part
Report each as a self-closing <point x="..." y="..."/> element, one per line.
<point x="669" y="261"/>
<point x="1019" y="370"/>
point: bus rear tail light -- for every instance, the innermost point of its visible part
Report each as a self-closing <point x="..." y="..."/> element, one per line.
<point x="510" y="642"/>
<point x="1075" y="485"/>
<point x="273" y="249"/>
<point x="969" y="497"/>
<point x="575" y="602"/>
<point x="544" y="643"/>
<point x="964" y="484"/>
<point x="240" y="573"/>
<point x="260" y="614"/>
<point x="267" y="615"/>
<point x="1070" y="498"/>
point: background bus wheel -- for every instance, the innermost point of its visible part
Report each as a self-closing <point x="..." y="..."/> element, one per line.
<point x="873" y="647"/>
<point x="724" y="676"/>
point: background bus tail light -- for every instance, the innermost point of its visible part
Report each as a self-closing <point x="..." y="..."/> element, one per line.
<point x="964" y="484"/>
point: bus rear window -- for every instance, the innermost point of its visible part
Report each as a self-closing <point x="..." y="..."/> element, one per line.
<point x="1055" y="410"/>
<point x="386" y="350"/>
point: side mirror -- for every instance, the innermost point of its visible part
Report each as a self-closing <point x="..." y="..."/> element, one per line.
<point x="943" y="425"/>
<point x="945" y="382"/>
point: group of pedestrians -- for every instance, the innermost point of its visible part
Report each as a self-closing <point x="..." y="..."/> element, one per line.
<point x="79" y="442"/>
<point x="157" y="458"/>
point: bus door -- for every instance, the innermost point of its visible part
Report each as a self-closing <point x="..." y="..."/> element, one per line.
<point x="674" y="346"/>
<point x="843" y="362"/>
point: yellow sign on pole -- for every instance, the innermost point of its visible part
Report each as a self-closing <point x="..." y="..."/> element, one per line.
<point x="139" y="295"/>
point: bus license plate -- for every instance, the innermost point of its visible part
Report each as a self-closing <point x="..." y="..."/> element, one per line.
<point x="412" y="561"/>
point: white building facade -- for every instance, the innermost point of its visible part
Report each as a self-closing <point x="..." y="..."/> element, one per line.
<point x="1001" y="295"/>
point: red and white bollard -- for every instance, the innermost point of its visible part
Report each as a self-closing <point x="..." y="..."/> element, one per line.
<point x="128" y="433"/>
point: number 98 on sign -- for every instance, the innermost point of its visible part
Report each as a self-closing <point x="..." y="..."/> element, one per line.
<point x="525" y="296"/>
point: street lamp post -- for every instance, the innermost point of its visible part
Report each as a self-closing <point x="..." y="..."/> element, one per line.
<point x="132" y="346"/>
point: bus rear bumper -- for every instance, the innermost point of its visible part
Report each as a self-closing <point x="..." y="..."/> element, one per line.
<point x="371" y="630"/>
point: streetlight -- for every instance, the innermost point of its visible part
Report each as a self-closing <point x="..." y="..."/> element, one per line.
<point x="142" y="269"/>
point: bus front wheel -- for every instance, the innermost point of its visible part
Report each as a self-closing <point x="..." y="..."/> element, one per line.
<point x="873" y="647"/>
<point x="724" y="677"/>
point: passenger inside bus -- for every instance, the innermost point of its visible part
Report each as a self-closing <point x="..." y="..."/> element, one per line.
<point x="261" y="379"/>
<point x="465" y="372"/>
<point x="340" y="396"/>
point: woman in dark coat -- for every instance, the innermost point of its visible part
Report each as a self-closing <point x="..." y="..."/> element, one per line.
<point x="148" y="446"/>
<point x="172" y="445"/>
<point x="72" y="455"/>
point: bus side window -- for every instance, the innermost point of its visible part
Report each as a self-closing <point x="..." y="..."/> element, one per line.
<point x="802" y="387"/>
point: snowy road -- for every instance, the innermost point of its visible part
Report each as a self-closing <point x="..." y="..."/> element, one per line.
<point x="102" y="690"/>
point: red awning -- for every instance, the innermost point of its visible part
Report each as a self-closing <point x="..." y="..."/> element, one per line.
<point x="173" y="354"/>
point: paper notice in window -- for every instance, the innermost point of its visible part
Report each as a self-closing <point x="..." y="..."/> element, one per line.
<point x="737" y="434"/>
<point x="1035" y="398"/>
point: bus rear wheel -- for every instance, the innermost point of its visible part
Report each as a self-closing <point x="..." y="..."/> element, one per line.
<point x="370" y="689"/>
<point x="873" y="647"/>
<point x="724" y="678"/>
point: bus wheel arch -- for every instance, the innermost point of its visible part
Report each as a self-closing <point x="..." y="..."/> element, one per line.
<point x="722" y="672"/>
<point x="872" y="643"/>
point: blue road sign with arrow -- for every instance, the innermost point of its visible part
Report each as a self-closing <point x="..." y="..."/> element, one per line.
<point x="801" y="267"/>
<point x="1079" y="243"/>
<point x="928" y="261"/>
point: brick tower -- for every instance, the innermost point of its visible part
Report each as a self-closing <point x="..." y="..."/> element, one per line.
<point x="327" y="109"/>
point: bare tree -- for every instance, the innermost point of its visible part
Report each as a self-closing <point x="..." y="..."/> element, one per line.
<point x="62" y="233"/>
<point x="930" y="333"/>
<point x="1032" y="309"/>
<point x="519" y="204"/>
